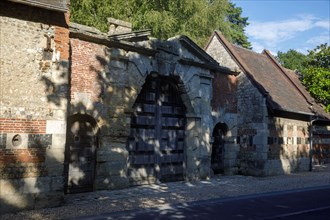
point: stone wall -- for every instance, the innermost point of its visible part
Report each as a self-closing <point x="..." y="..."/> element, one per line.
<point x="224" y="104"/>
<point x="220" y="54"/>
<point x="105" y="83"/>
<point x="265" y="144"/>
<point x="34" y="69"/>
<point x="288" y="146"/>
<point x="252" y="127"/>
<point x="224" y="110"/>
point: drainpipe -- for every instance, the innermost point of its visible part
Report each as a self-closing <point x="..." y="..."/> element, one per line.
<point x="311" y="144"/>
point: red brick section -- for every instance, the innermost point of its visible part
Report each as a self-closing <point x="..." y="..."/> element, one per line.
<point x="62" y="40"/>
<point x="10" y="125"/>
<point x="34" y="155"/>
<point x="22" y="163"/>
<point x="321" y="152"/>
<point x="224" y="90"/>
<point x="87" y="64"/>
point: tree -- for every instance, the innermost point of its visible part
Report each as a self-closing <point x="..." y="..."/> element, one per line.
<point x="320" y="56"/>
<point x="292" y="60"/>
<point x="237" y="24"/>
<point x="314" y="69"/>
<point x="316" y="76"/>
<point x="317" y="81"/>
<point x="166" y="18"/>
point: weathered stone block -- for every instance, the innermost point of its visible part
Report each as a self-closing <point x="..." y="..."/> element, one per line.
<point x="228" y="155"/>
<point x="204" y="168"/>
<point x="57" y="183"/>
<point x="112" y="168"/>
<point x="54" y="162"/>
<point x="17" y="141"/>
<point x="16" y="202"/>
<point x="11" y="187"/>
<point x="51" y="199"/>
<point x="113" y="182"/>
<point x="228" y="163"/>
<point x="55" y="127"/>
<point x="3" y="138"/>
<point x="118" y="182"/>
<point x="58" y="141"/>
<point x="39" y="140"/>
<point x="36" y="185"/>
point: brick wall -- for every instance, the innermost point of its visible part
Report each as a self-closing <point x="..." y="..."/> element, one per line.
<point x="87" y="65"/>
<point x="224" y="93"/>
<point x="61" y="38"/>
<point x="8" y="125"/>
<point x="288" y="146"/>
<point x="22" y="163"/>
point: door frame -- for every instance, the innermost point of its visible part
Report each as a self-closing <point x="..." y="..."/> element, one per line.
<point x="71" y="119"/>
<point x="173" y="82"/>
<point x="220" y="129"/>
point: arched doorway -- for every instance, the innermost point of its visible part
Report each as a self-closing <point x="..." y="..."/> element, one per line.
<point x="156" y="141"/>
<point x="81" y="153"/>
<point x="218" y="148"/>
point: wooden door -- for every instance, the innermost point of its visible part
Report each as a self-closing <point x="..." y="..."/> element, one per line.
<point x="156" y="142"/>
<point x="82" y="145"/>
<point x="217" y="161"/>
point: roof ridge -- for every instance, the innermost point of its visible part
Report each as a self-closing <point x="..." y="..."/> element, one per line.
<point x="240" y="47"/>
<point x="240" y="62"/>
<point x="193" y="45"/>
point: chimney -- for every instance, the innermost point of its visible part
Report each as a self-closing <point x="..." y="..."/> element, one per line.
<point x="118" y="26"/>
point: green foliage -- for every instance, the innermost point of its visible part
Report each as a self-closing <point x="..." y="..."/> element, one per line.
<point x="237" y="25"/>
<point x="317" y="81"/>
<point x="292" y="60"/>
<point x="316" y="76"/>
<point x="320" y="56"/>
<point x="166" y="18"/>
<point x="315" y="70"/>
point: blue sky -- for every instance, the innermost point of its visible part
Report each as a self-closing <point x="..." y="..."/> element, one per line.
<point x="280" y="25"/>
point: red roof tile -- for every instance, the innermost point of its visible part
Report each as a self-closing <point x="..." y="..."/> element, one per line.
<point x="282" y="87"/>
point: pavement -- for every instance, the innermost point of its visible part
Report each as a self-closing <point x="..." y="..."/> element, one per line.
<point x="173" y="193"/>
<point x="307" y="203"/>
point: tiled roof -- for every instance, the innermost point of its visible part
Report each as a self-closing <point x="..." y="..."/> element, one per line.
<point x="54" y="5"/>
<point x="282" y="87"/>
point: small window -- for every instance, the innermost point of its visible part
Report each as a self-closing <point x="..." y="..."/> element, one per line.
<point x="16" y="140"/>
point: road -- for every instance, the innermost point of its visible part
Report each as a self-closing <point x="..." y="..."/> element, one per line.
<point x="310" y="203"/>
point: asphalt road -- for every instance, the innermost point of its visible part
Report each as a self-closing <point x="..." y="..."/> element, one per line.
<point x="309" y="203"/>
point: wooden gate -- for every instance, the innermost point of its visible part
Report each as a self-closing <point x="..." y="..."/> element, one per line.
<point x="82" y="144"/>
<point x="156" y="142"/>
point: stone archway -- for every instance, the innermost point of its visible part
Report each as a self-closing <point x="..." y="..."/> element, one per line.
<point x="156" y="142"/>
<point x="81" y="153"/>
<point x="217" y="157"/>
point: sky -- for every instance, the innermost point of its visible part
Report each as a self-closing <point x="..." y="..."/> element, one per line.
<point x="281" y="25"/>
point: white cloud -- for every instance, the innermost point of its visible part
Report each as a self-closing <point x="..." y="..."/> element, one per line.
<point x="257" y="47"/>
<point x="323" y="24"/>
<point x="319" y="39"/>
<point x="270" y="34"/>
<point x="274" y="32"/>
